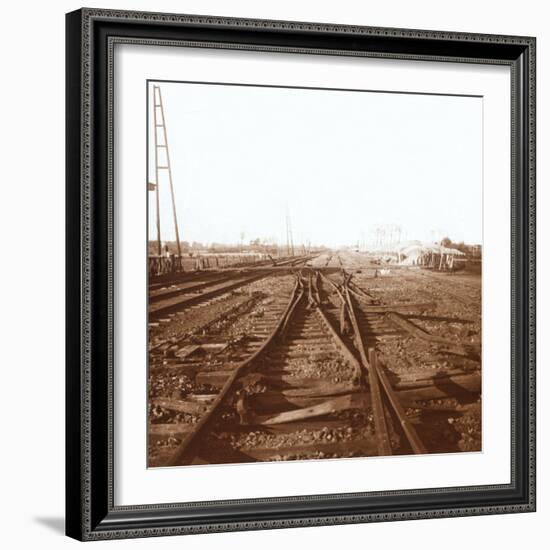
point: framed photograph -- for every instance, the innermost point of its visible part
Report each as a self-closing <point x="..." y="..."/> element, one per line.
<point x="300" y="274"/>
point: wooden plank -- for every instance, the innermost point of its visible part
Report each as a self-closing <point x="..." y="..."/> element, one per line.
<point x="460" y="409"/>
<point x="319" y="341"/>
<point x="280" y="381"/>
<point x="345" y="402"/>
<point x="170" y="429"/>
<point x="216" y="378"/>
<point x="274" y="402"/>
<point x="201" y="397"/>
<point x="408" y="395"/>
<point x="404" y="378"/>
<point x="190" y="366"/>
<point x="400" y="308"/>
<point x="282" y="378"/>
<point x="186" y="351"/>
<point x="467" y="388"/>
<point x="461" y="381"/>
<point x="313" y="354"/>
<point x="323" y="389"/>
<point x="191" y="407"/>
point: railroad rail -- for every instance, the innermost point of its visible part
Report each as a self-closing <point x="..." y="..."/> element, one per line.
<point x="162" y="281"/>
<point x="169" y="300"/>
<point x="380" y="387"/>
<point x="302" y="330"/>
<point x="313" y="363"/>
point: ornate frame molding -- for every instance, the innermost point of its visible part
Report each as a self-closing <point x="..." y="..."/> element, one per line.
<point x="91" y="35"/>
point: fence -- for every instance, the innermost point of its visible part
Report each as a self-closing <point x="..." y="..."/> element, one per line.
<point x="164" y="265"/>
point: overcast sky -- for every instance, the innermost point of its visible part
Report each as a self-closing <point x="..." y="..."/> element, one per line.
<point x="341" y="162"/>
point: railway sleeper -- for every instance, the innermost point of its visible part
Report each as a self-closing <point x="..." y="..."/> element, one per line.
<point x="270" y="404"/>
<point x="328" y="407"/>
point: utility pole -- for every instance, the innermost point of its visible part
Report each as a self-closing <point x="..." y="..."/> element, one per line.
<point x="162" y="145"/>
<point x="289" y="240"/>
<point x="156" y="185"/>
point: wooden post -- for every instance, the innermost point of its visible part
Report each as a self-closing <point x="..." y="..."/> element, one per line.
<point x="167" y="166"/>
<point x="156" y="125"/>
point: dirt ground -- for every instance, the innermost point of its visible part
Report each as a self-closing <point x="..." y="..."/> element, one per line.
<point x="220" y="333"/>
<point x="451" y="424"/>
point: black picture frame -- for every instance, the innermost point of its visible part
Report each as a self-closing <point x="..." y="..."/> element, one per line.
<point x="90" y="512"/>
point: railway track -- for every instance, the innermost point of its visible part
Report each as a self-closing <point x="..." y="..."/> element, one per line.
<point x="183" y="288"/>
<point x="306" y="389"/>
<point x="166" y="301"/>
<point x="302" y="372"/>
<point x="384" y="400"/>
<point x="183" y="300"/>
<point x="382" y="321"/>
<point x="185" y="279"/>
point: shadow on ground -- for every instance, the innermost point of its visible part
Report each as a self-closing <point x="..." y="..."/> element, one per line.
<point x="56" y="524"/>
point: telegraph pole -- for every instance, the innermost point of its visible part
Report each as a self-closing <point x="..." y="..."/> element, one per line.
<point x="289" y="239"/>
<point x="156" y="188"/>
<point x="160" y="122"/>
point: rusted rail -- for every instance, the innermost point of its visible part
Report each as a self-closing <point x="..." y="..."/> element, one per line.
<point x="306" y="292"/>
<point x="404" y="324"/>
<point x="287" y="399"/>
<point x="377" y="380"/>
<point x="186" y="449"/>
<point x="172" y="305"/>
<point x="382" y="436"/>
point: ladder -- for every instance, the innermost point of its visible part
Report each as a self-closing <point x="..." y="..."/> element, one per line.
<point x="161" y="144"/>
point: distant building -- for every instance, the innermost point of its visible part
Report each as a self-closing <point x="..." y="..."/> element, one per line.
<point x="474" y="251"/>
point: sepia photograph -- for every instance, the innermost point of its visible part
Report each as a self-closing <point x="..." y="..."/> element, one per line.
<point x="300" y="272"/>
<point x="314" y="263"/>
